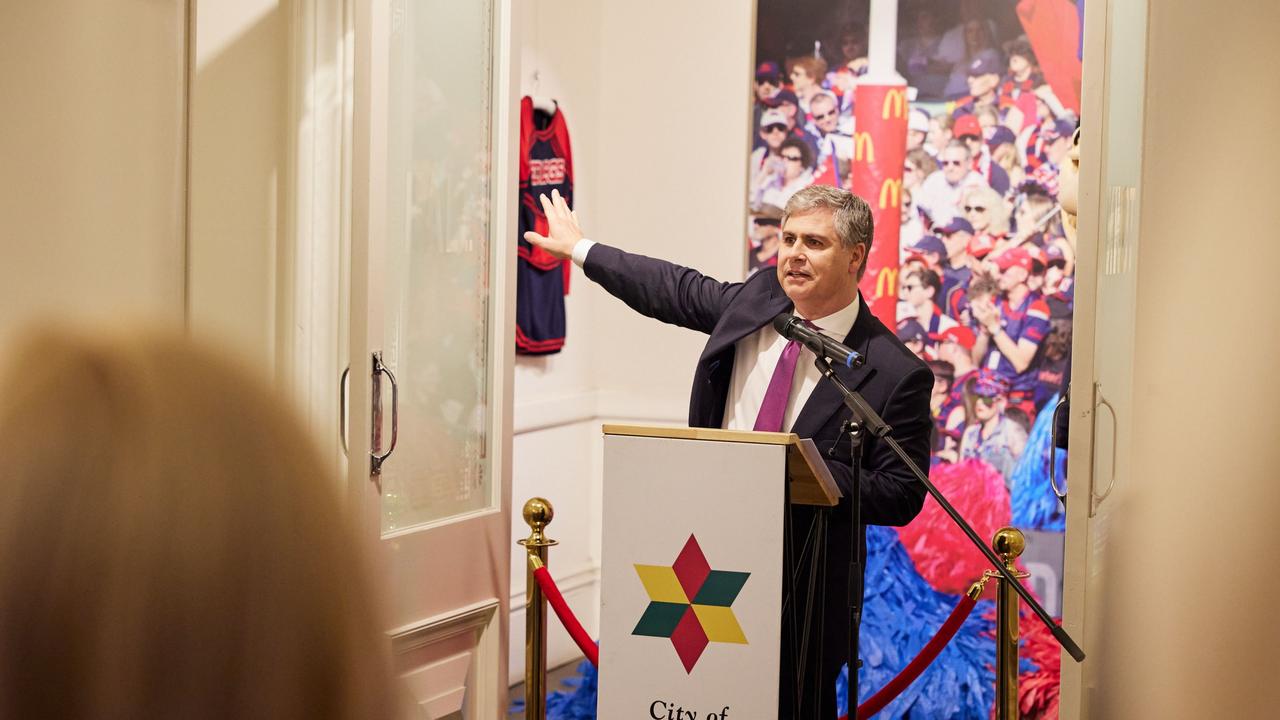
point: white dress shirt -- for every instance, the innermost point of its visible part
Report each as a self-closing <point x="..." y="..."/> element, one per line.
<point x="755" y="358"/>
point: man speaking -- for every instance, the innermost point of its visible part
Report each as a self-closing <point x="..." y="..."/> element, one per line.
<point x="751" y="378"/>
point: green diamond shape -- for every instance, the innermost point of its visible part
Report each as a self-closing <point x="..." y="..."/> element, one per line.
<point x="721" y="588"/>
<point x="660" y="619"/>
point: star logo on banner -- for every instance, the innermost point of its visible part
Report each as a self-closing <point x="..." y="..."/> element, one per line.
<point x="690" y="604"/>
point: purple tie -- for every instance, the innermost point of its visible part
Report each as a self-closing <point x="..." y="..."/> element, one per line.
<point x="775" y="397"/>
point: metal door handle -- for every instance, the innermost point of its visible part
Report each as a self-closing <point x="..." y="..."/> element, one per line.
<point x="1053" y="445"/>
<point x="1099" y="402"/>
<point x="342" y="407"/>
<point x="376" y="460"/>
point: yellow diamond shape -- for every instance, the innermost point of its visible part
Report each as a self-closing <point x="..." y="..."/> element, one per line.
<point x="661" y="584"/>
<point x="720" y="624"/>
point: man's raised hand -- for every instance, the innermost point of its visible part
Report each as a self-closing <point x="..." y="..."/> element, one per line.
<point x="562" y="227"/>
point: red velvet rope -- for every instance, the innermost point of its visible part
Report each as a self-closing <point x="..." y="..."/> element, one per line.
<point x="567" y="618"/>
<point x="873" y="705"/>
<point x="926" y="656"/>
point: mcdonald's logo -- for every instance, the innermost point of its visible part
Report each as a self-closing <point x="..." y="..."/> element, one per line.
<point x="887" y="282"/>
<point x="864" y="147"/>
<point x="890" y="193"/>
<point x="895" y="100"/>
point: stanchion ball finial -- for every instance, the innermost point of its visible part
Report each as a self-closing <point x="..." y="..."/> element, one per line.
<point x="1009" y="542"/>
<point x="538" y="513"/>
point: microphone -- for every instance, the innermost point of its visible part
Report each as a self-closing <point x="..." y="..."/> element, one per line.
<point x="793" y="328"/>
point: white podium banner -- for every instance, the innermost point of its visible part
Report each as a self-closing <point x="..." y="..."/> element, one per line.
<point x="691" y="586"/>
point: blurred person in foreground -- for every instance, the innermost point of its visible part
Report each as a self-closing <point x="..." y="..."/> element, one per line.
<point x="172" y="546"/>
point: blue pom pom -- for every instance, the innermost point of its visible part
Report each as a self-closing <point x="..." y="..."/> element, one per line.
<point x="1034" y="505"/>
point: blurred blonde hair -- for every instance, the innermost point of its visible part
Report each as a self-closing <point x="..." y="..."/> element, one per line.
<point x="171" y="546"/>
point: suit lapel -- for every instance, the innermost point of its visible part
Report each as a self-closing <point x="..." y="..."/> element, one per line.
<point x="825" y="398"/>
<point x="742" y="319"/>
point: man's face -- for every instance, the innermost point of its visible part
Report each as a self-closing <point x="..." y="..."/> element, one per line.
<point x="789" y="110"/>
<point x="766" y="89"/>
<point x="912" y="291"/>
<point x="814" y="268"/>
<point x="956" y="242"/>
<point x="948" y="349"/>
<point x="773" y="135"/>
<point x="980" y="85"/>
<point x="974" y="143"/>
<point x="824" y="114"/>
<point x="955" y="164"/>
<point x="915" y="139"/>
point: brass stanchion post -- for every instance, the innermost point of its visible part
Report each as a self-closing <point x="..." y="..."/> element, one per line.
<point x="1009" y="544"/>
<point x="537" y="513"/>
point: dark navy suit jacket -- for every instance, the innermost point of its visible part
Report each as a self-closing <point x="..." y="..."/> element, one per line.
<point x="895" y="382"/>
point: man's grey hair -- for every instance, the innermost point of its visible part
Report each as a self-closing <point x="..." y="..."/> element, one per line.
<point x="850" y="213"/>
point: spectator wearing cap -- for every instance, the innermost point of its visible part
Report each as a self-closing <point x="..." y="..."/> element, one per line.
<point x="765" y="160"/>
<point x="913" y="335"/>
<point x="1023" y="74"/>
<point x="940" y="194"/>
<point x="917" y="129"/>
<point x="1011" y="330"/>
<point x="835" y="149"/>
<point x="1059" y="285"/>
<point x="1003" y="147"/>
<point x="919" y="292"/>
<point x="806" y="74"/>
<point x="766" y="235"/>
<point x="987" y="212"/>
<point x="1057" y="143"/>
<point x="982" y="78"/>
<point x="977" y="34"/>
<point x="955" y="346"/>
<point x="957" y="269"/>
<point x="930" y="250"/>
<point x="797" y="173"/>
<point x="768" y="83"/>
<point x="787" y="102"/>
<point x="968" y="130"/>
<point x="991" y="436"/>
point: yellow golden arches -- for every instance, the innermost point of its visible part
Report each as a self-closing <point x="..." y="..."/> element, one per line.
<point x="887" y="282"/>
<point x="890" y="193"/>
<point x="896" y="101"/>
<point x="864" y="147"/>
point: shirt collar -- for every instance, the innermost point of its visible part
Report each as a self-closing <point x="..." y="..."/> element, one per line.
<point x="839" y="324"/>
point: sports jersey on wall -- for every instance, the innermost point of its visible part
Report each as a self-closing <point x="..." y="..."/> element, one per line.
<point x="542" y="280"/>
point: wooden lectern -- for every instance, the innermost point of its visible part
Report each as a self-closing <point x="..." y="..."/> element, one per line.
<point x="693" y="565"/>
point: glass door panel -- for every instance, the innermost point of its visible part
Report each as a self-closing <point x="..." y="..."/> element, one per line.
<point x="437" y="279"/>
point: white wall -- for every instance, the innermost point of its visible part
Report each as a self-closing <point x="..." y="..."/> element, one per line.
<point x="657" y="97"/>
<point x="1189" y="628"/>
<point x="239" y="141"/>
<point x="92" y="181"/>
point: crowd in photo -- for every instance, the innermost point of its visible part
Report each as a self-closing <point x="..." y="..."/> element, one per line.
<point x="985" y="283"/>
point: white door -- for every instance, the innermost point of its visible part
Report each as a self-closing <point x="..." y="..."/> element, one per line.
<point x="432" y="299"/>
<point x="1106" y="305"/>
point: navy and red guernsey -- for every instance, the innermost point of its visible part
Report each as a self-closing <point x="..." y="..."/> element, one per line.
<point x="542" y="280"/>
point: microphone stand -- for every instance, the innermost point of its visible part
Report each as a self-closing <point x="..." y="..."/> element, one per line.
<point x="866" y="419"/>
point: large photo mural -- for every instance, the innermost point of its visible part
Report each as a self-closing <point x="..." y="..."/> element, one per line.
<point x="981" y="287"/>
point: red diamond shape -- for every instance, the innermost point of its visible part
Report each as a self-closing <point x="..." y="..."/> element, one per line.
<point x="691" y="568"/>
<point x="689" y="639"/>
